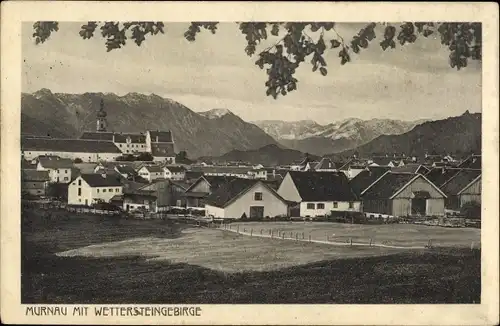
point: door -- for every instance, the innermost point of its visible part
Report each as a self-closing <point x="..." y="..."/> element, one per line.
<point x="86" y="202"/>
<point x="418" y="206"/>
<point x="256" y="211"/>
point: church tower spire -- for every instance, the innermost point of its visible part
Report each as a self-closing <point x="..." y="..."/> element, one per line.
<point x="101" y="118"/>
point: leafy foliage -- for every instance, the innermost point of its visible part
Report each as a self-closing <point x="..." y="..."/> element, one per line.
<point x="471" y="209"/>
<point x="295" y="46"/>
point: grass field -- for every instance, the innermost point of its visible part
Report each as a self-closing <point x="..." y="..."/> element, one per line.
<point x="406" y="235"/>
<point x="132" y="261"/>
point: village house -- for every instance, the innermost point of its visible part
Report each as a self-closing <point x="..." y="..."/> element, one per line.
<point x="34" y="182"/>
<point x="403" y="195"/>
<point x="197" y="193"/>
<point x="85" y="150"/>
<point x="161" y="145"/>
<point x="472" y="162"/>
<point x="318" y="193"/>
<point x="464" y="187"/>
<point x="325" y="165"/>
<point x="439" y="176"/>
<point x="89" y="189"/>
<point x="128" y="143"/>
<point x="151" y="172"/>
<point x="259" y="173"/>
<point x="174" y="172"/>
<point x="245" y="198"/>
<point x="59" y="169"/>
<point x="168" y="193"/>
<point x="140" y="199"/>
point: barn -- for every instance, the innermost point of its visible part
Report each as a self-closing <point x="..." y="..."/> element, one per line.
<point x="403" y="194"/>
<point x="463" y="187"/>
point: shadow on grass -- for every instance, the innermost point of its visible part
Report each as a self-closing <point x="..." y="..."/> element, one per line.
<point x="431" y="276"/>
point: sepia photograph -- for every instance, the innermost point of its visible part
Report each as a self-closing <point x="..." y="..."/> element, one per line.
<point x="248" y="162"/>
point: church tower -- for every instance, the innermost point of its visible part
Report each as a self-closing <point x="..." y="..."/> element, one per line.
<point x="101" y="118"/>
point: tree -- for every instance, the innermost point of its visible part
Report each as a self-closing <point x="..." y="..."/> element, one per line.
<point x="182" y="158"/>
<point x="296" y="42"/>
<point x="144" y="157"/>
<point x="78" y="160"/>
<point x="471" y="210"/>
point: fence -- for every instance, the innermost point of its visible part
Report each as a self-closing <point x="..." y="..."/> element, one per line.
<point x="280" y="234"/>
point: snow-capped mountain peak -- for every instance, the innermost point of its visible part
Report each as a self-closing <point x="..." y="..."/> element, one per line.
<point x="215" y="113"/>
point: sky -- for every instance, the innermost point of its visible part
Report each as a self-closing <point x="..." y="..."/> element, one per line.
<point x="411" y="82"/>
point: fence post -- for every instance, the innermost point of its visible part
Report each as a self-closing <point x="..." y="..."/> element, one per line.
<point x="302" y="235"/>
<point x="309" y="238"/>
<point x="251" y="232"/>
<point x="238" y="229"/>
<point x="271" y="232"/>
<point x="472" y="245"/>
<point x="350" y="240"/>
<point x="283" y="235"/>
<point x="296" y="236"/>
<point x="370" y="242"/>
<point x="260" y="231"/>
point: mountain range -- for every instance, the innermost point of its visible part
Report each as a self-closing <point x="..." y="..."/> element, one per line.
<point x="68" y="115"/>
<point x="311" y="137"/>
<point x="454" y="135"/>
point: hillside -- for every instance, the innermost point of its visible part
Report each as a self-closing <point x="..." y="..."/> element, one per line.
<point x="309" y="136"/>
<point x="70" y="114"/>
<point x="270" y="155"/>
<point x="460" y="134"/>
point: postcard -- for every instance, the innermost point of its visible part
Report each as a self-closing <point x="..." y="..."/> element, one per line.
<point x="249" y="163"/>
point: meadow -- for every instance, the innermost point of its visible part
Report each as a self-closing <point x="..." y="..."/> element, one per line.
<point x="89" y="259"/>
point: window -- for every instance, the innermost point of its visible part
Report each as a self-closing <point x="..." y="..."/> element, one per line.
<point x="97" y="190"/>
<point x="257" y="196"/>
<point x="65" y="178"/>
<point x="79" y="191"/>
<point x="320" y="206"/>
<point x="351" y="204"/>
<point x="104" y="190"/>
<point x="66" y="171"/>
<point x="310" y="206"/>
<point x="335" y="204"/>
<point x="111" y="190"/>
<point x="80" y="182"/>
<point x="117" y="189"/>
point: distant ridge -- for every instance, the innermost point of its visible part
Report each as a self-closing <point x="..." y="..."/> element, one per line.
<point x="68" y="115"/>
<point x="461" y="134"/>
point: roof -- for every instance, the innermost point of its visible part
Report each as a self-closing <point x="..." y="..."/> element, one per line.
<point x="383" y="161"/>
<point x="55" y="162"/>
<point x="175" y="169"/>
<point x="97" y="180"/>
<point x="322" y="186"/>
<point x="214" y="181"/>
<point x="128" y="169"/>
<point x="325" y="164"/>
<point x="439" y="176"/>
<point x="108" y="136"/>
<point x="366" y="177"/>
<point x="34" y="175"/>
<point x="163" y="136"/>
<point x="223" y="169"/>
<point x="472" y="162"/>
<point x="460" y="181"/>
<point x="391" y="184"/>
<point x="27" y="165"/>
<point x="411" y="168"/>
<point x="85" y="168"/>
<point x="134" y="137"/>
<point x="162" y="149"/>
<point x="153" y="168"/>
<point x="68" y="145"/>
<point x="387" y="185"/>
<point x="229" y="192"/>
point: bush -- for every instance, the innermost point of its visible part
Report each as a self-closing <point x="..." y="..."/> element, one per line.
<point x="77" y="160"/>
<point x="471" y="210"/>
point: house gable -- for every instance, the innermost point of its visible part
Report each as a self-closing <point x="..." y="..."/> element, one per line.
<point x="472" y="188"/>
<point x="288" y="190"/>
<point x="200" y="185"/>
<point x="418" y="183"/>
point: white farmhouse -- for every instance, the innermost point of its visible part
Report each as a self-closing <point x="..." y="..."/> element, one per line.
<point x="59" y="169"/>
<point x="151" y="172"/>
<point x="89" y="189"/>
<point x="319" y="193"/>
<point x="173" y="172"/>
<point x="245" y="197"/>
